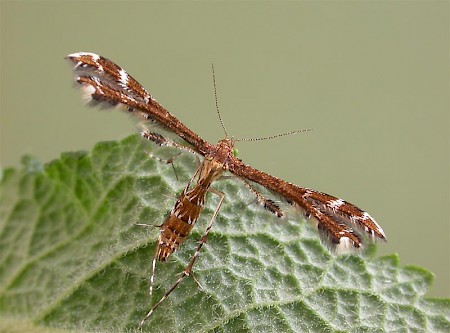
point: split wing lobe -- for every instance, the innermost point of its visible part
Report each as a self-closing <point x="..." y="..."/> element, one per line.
<point x="106" y="84"/>
<point x="340" y="224"/>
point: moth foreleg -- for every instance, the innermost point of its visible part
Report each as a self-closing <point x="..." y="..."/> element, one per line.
<point x="268" y="204"/>
<point x="162" y="141"/>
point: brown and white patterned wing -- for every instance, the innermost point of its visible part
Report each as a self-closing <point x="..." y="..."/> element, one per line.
<point x="107" y="85"/>
<point x="341" y="225"/>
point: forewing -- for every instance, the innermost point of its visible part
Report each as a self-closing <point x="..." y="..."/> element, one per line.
<point x="107" y="85"/>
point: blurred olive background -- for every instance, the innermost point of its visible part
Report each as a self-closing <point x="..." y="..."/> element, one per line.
<point x="371" y="79"/>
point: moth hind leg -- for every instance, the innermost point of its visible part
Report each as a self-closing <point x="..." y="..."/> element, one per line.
<point x="188" y="269"/>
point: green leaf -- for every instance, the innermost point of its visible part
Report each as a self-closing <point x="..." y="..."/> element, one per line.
<point x="73" y="259"/>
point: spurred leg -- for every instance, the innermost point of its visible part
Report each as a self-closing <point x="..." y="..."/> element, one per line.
<point x="188" y="269"/>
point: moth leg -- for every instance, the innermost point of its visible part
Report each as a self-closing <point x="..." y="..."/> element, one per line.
<point x="152" y="275"/>
<point x="155" y="257"/>
<point x="168" y="161"/>
<point x="162" y="141"/>
<point x="188" y="269"/>
<point x="266" y="203"/>
<point x="147" y="225"/>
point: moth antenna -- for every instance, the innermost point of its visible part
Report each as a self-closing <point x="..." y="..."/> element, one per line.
<point x="273" y="136"/>
<point x="216" y="100"/>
